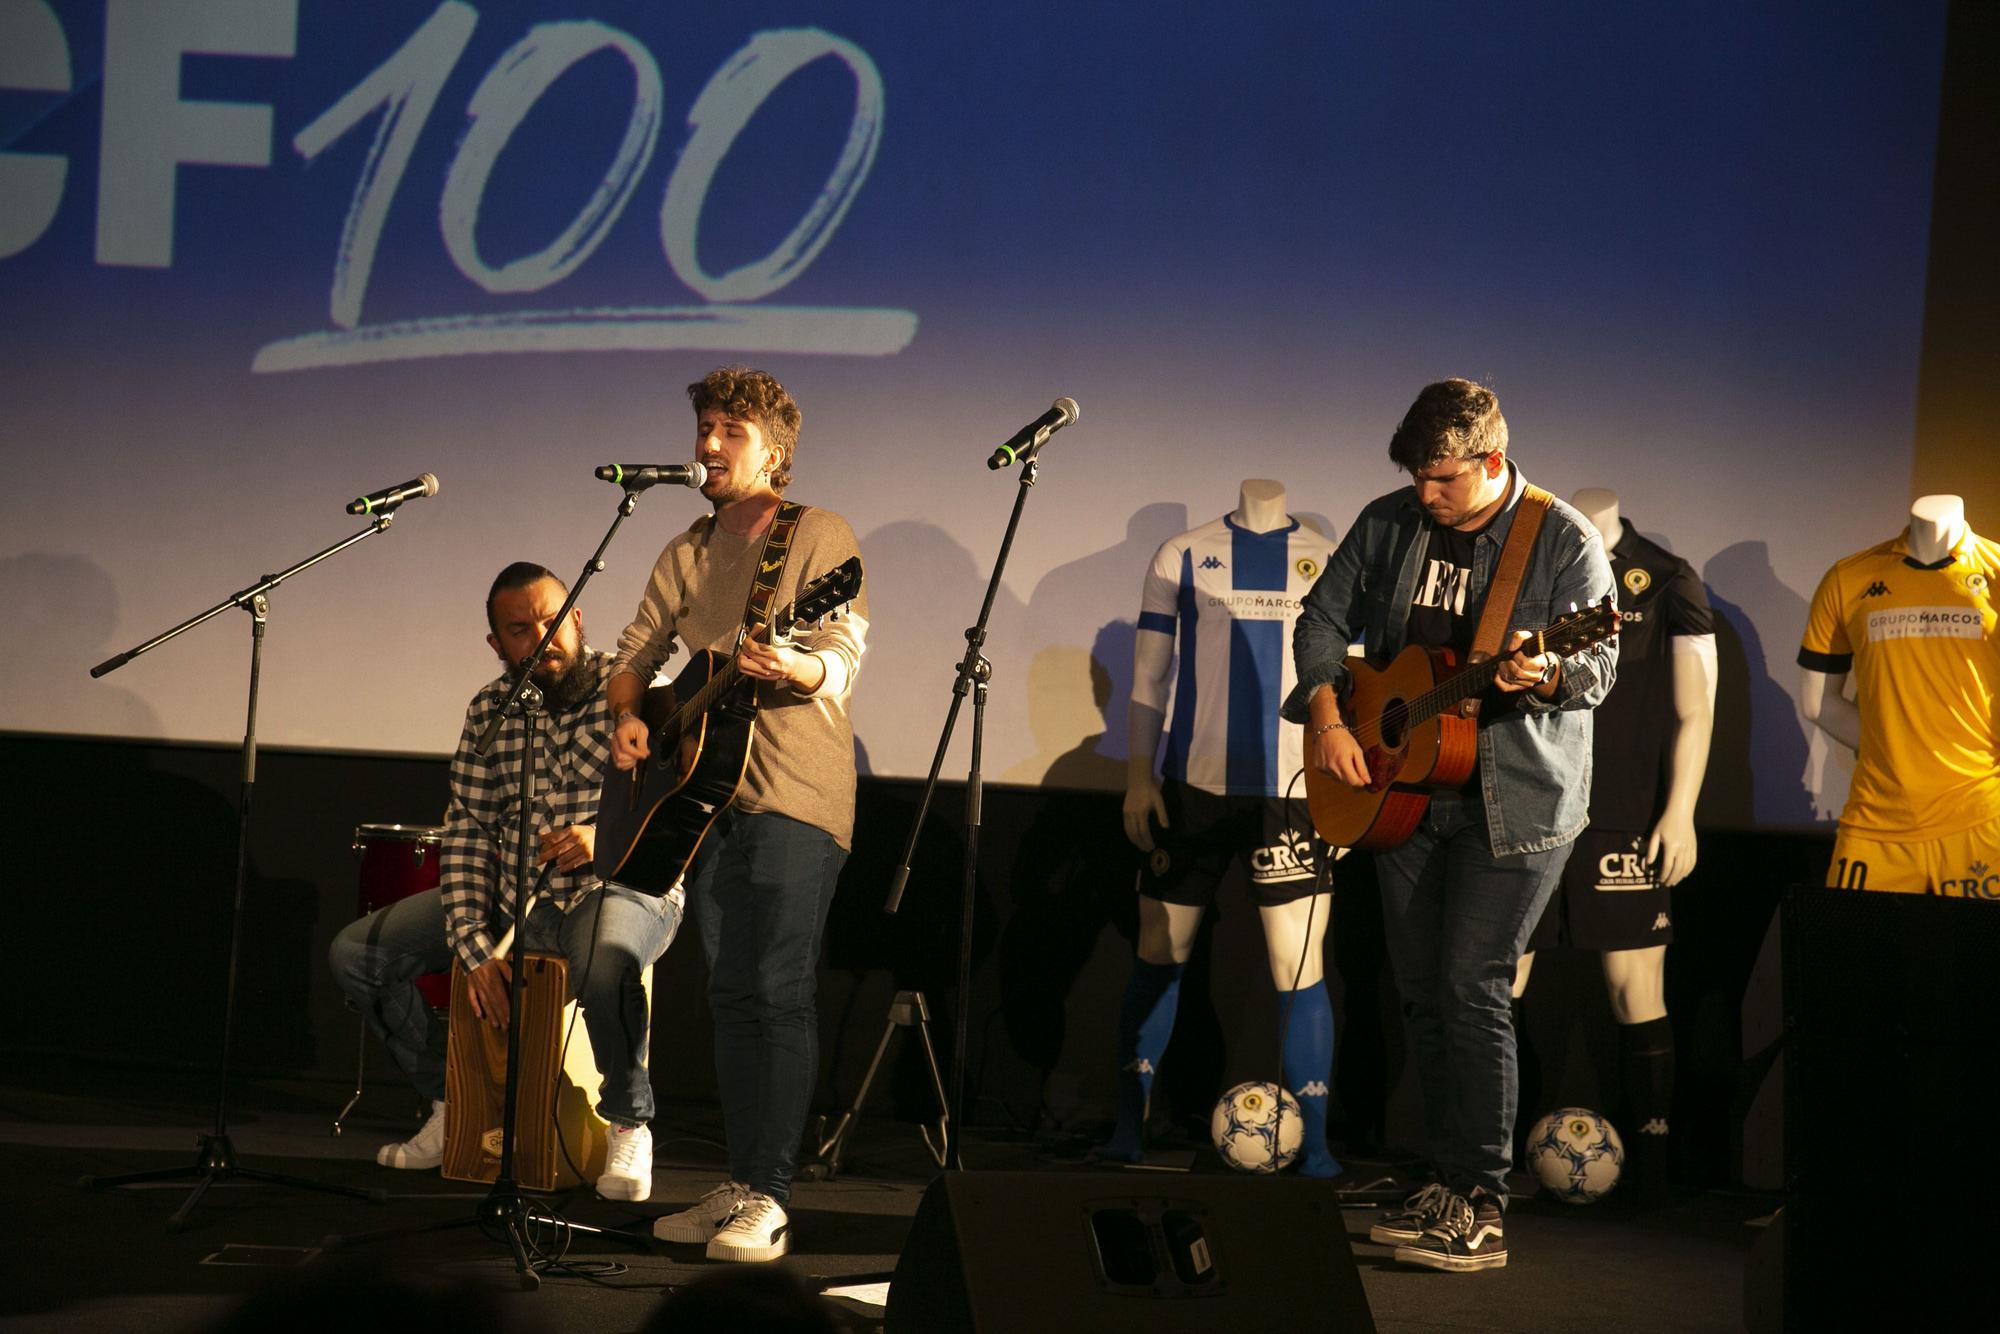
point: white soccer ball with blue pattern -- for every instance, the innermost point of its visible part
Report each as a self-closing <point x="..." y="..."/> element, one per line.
<point x="1576" y="1154"/>
<point x="1257" y="1127"/>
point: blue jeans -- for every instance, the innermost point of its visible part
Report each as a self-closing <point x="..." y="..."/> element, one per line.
<point x="759" y="889"/>
<point x="376" y="959"/>
<point x="1457" y="918"/>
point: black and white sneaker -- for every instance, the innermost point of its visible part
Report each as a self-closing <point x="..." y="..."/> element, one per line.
<point x="1469" y="1236"/>
<point x="1407" y="1223"/>
<point x="759" y="1230"/>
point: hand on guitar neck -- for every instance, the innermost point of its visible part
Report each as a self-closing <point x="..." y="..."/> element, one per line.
<point x="1333" y="750"/>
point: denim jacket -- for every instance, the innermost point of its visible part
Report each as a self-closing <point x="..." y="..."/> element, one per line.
<point x="1534" y="762"/>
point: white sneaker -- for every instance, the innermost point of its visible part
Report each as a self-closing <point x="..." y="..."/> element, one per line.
<point x="699" y="1220"/>
<point x="758" y="1230"/>
<point x="421" y="1151"/>
<point x="628" y="1163"/>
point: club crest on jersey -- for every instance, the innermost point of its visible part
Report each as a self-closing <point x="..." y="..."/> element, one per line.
<point x="1308" y="568"/>
<point x="1975" y="583"/>
<point x="1637" y="581"/>
<point x="1160" y="862"/>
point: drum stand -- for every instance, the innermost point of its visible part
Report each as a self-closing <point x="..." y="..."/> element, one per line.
<point x="906" y="1011"/>
<point x="215" y="1154"/>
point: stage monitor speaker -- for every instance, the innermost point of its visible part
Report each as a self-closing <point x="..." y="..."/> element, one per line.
<point x="1891" y="1088"/>
<point x="1111" y="1251"/>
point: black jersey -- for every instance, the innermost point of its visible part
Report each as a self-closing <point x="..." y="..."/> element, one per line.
<point x="1660" y="597"/>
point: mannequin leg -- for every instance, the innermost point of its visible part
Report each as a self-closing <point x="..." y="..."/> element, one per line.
<point x="1146" y="1016"/>
<point x="1295" y="938"/>
<point x="1636" y="980"/>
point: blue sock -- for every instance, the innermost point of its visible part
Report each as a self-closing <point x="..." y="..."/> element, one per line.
<point x="1145" y="1022"/>
<point x="1308" y="1045"/>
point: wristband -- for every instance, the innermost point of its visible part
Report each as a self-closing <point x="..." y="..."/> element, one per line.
<point x="1334" y="726"/>
<point x="623" y="714"/>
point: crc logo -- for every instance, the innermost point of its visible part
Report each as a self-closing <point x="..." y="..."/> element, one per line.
<point x="1637" y="581"/>
<point x="1624" y="870"/>
<point x="1980" y="882"/>
<point x="1308" y="568"/>
<point x="1288" y="859"/>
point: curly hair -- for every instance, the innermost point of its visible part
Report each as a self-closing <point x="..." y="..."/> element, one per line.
<point x="753" y="395"/>
<point x="1452" y="419"/>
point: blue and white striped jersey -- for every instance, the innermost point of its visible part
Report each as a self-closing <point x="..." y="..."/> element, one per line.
<point x="1232" y="596"/>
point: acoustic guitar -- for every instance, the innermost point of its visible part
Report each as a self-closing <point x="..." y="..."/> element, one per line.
<point x="1417" y="735"/>
<point x="651" y="819"/>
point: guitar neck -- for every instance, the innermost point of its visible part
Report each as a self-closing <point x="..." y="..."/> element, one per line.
<point x="725" y="677"/>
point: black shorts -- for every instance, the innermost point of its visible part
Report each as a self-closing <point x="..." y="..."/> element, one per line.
<point x="1267" y="842"/>
<point x="1609" y="898"/>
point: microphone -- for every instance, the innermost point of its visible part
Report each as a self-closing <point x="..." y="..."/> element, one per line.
<point x="639" y="476"/>
<point x="1028" y="441"/>
<point x="381" y="502"/>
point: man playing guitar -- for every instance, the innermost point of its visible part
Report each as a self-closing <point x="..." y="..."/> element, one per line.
<point x="1461" y="895"/>
<point x="763" y="877"/>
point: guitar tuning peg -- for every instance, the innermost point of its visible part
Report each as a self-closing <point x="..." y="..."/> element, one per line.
<point x="1572" y="606"/>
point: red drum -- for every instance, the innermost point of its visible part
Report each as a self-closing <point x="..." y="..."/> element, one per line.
<point x="398" y="860"/>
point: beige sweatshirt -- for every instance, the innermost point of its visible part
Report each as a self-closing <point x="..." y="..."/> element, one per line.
<point x="802" y="757"/>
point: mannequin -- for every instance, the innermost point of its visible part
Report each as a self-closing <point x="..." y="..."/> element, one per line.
<point x="1937" y="525"/>
<point x="1913" y="621"/>
<point x="1245" y="572"/>
<point x="1651" y="750"/>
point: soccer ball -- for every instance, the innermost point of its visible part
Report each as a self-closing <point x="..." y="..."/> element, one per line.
<point x="1257" y="1127"/>
<point x="1576" y="1154"/>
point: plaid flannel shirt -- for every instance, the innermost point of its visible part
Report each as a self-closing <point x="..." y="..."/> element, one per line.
<point x="482" y="824"/>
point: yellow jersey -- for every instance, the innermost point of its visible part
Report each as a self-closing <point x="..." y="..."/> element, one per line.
<point x="1920" y="641"/>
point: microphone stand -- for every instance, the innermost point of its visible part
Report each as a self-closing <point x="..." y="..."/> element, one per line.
<point x="505" y="1206"/>
<point x="975" y="673"/>
<point x="215" y="1154"/>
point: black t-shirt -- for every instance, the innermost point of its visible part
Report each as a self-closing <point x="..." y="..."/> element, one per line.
<point x="1442" y="614"/>
<point x="1660" y="597"/>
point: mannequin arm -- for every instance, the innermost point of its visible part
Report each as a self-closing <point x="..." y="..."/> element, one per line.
<point x="1152" y="664"/>
<point x="1672" y="847"/>
<point x="1143" y="803"/>
<point x="1825" y="706"/>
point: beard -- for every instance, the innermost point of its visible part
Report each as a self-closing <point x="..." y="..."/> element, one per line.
<point x="563" y="689"/>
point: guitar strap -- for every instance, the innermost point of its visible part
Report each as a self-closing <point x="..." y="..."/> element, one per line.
<point x="1506" y="587"/>
<point x="771" y="565"/>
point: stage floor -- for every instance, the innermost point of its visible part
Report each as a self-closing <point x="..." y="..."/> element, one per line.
<point x="103" y="1259"/>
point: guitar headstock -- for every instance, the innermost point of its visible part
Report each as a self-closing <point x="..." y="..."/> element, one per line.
<point x="837" y="587"/>
<point x="1581" y="629"/>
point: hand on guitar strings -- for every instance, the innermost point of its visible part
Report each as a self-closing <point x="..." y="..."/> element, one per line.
<point x="486" y="987"/>
<point x="800" y="670"/>
<point x="1520" y="671"/>
<point x="569" y="848"/>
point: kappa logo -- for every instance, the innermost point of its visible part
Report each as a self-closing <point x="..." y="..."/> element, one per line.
<point x="1875" y="590"/>
<point x="1139" y="1066"/>
<point x="1211" y="562"/>
<point x="1662" y="922"/>
<point x="1314" y="1088"/>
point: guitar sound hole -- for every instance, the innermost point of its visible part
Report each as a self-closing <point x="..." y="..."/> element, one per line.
<point x="1392" y="725"/>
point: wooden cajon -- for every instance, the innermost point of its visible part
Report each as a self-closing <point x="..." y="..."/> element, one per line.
<point x="548" y="1095"/>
